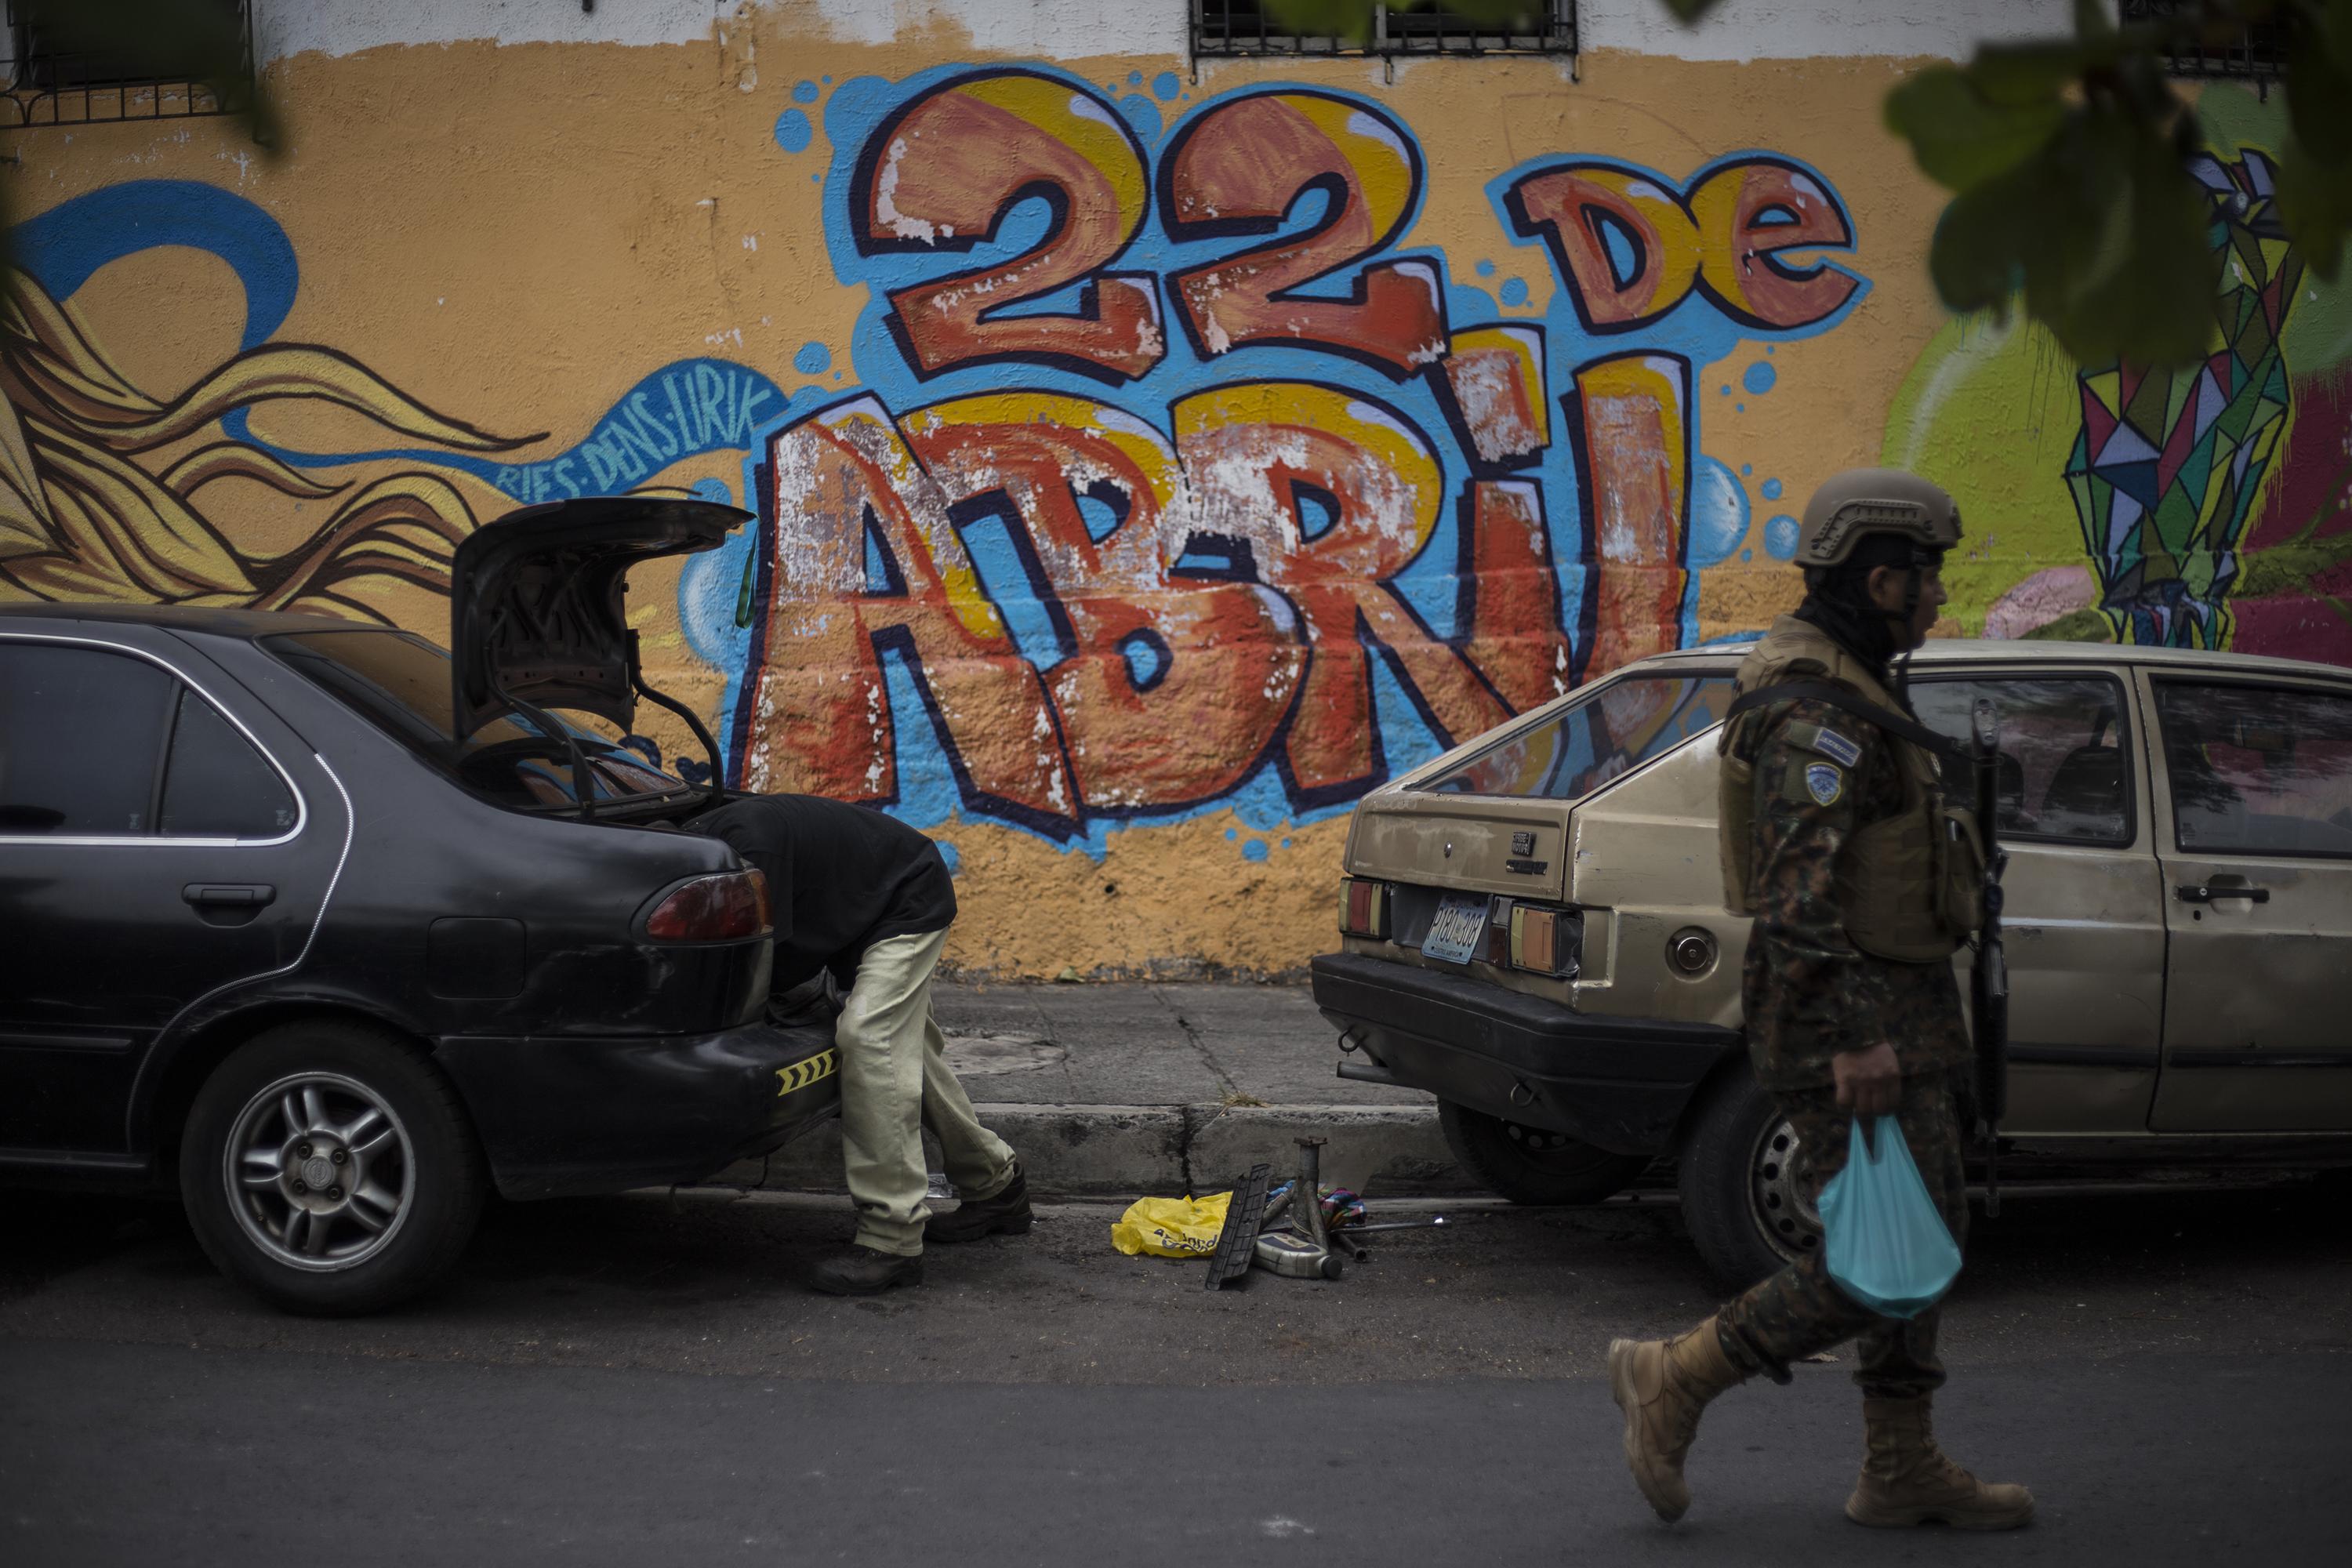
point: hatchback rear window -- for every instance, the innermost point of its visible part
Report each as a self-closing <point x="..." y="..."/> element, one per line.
<point x="401" y="684"/>
<point x="1615" y="728"/>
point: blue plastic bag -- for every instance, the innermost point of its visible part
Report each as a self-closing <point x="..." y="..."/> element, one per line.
<point x="1887" y="1244"/>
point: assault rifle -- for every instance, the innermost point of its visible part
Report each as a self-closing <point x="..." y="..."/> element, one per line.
<point x="1988" y="981"/>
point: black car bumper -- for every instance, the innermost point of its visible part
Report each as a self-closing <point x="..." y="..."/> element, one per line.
<point x="570" y="1114"/>
<point x="1619" y="1084"/>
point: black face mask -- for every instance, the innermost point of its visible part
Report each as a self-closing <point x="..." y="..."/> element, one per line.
<point x="1866" y="633"/>
<point x="1843" y="610"/>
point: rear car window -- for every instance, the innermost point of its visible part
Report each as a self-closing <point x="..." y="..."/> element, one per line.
<point x="401" y="684"/>
<point x="2258" y="770"/>
<point x="99" y="744"/>
<point x="82" y="731"/>
<point x="216" y="785"/>
<point x="1621" y="725"/>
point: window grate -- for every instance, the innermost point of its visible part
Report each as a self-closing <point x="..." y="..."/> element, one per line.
<point x="2256" y="52"/>
<point x="48" y="82"/>
<point x="1226" y="28"/>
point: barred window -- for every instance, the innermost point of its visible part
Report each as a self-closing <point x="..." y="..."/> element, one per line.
<point x="2247" y="53"/>
<point x="1245" y="28"/>
<point x="56" y="76"/>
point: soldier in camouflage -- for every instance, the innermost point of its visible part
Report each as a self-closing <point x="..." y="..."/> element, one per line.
<point x="1835" y="838"/>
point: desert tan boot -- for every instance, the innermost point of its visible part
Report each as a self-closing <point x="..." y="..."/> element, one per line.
<point x="1906" y="1479"/>
<point x="1662" y="1386"/>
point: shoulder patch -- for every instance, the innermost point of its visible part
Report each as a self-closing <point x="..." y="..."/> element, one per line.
<point x="1824" y="783"/>
<point x="1829" y="744"/>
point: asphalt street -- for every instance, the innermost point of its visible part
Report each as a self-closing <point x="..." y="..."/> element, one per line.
<point x="642" y="1380"/>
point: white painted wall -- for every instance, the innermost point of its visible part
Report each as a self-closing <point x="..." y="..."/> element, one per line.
<point x="1075" y="29"/>
<point x="1792" y="30"/>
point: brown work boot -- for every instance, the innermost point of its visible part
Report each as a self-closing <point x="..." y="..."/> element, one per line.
<point x="861" y="1270"/>
<point x="1662" y="1386"/>
<point x="1906" y="1479"/>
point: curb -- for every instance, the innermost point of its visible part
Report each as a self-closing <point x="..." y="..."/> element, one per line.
<point x="1085" y="1150"/>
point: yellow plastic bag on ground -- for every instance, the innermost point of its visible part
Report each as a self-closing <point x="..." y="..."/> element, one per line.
<point x="1171" y="1228"/>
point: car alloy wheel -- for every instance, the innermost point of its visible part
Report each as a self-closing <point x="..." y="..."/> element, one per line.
<point x="319" y="1170"/>
<point x="1777" y="1170"/>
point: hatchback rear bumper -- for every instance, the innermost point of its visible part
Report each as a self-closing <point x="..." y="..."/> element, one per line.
<point x="561" y="1115"/>
<point x="1619" y="1084"/>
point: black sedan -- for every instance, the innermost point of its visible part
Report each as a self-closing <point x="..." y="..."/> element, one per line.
<point x="335" y="930"/>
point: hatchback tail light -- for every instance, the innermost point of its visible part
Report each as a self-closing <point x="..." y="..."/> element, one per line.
<point x="1545" y="940"/>
<point x="725" y="908"/>
<point x="1364" y="908"/>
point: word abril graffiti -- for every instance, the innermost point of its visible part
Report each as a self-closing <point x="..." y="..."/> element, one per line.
<point x="1172" y="478"/>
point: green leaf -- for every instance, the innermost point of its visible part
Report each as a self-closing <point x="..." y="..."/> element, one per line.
<point x="1958" y="135"/>
<point x="2319" y="99"/>
<point x="2315" y="203"/>
<point x="2103" y="233"/>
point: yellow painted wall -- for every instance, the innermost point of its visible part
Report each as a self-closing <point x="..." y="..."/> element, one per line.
<point x="1161" y="576"/>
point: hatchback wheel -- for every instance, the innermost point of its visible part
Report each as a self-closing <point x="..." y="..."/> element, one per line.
<point x="1745" y="1184"/>
<point x="1532" y="1164"/>
<point x="330" y="1167"/>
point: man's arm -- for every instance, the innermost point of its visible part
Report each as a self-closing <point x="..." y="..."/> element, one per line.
<point x="1813" y="764"/>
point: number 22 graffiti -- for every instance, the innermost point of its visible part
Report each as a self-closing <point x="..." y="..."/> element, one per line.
<point x="1121" y="581"/>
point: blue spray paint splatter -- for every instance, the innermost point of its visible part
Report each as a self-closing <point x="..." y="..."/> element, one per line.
<point x="1165" y="86"/>
<point x="1780" y="537"/>
<point x="1255" y="849"/>
<point x="814" y="359"/>
<point x="1759" y="378"/>
<point x="1771" y="488"/>
<point x="1515" y="292"/>
<point x="793" y="132"/>
<point x="806" y="92"/>
<point x="1718" y="518"/>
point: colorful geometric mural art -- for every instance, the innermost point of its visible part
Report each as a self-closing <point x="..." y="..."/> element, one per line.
<point x="1174" y="478"/>
<point x="2169" y="464"/>
<point x="2211" y="506"/>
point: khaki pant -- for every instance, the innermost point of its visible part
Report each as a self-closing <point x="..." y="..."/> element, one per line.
<point x="896" y="1082"/>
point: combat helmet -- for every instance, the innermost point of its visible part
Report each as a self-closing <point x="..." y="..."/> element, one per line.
<point x="1854" y="505"/>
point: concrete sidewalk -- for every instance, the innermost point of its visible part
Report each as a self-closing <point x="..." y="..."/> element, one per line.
<point x="1133" y="1088"/>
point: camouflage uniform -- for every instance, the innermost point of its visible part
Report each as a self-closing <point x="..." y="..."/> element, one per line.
<point x="1808" y="994"/>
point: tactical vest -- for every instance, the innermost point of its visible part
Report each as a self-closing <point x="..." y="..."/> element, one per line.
<point x="1910" y="887"/>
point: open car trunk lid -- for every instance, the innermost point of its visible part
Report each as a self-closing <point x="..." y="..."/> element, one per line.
<point x="536" y="603"/>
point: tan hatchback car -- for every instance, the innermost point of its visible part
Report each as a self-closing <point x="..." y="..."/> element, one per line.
<point x="1534" y="930"/>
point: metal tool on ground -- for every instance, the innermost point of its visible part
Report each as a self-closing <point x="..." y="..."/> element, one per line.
<point x="1245" y="1217"/>
<point x="1301" y="1250"/>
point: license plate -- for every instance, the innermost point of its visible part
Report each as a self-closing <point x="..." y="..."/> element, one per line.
<point x="1459" y="930"/>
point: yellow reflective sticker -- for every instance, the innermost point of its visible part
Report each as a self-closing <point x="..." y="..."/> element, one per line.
<point x="801" y="1074"/>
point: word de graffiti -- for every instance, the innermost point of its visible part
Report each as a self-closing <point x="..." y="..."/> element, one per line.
<point x="1216" y="567"/>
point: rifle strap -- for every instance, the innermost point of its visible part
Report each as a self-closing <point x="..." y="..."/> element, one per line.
<point x="1860" y="707"/>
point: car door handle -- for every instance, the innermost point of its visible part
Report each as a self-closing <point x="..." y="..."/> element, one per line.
<point x="228" y="895"/>
<point x="2205" y="893"/>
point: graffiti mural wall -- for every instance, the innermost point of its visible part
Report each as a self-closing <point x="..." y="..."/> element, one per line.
<point x="1147" y="461"/>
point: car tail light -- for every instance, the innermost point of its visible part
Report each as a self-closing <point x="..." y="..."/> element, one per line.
<point x="1545" y="940"/>
<point x="724" y="908"/>
<point x="1364" y="908"/>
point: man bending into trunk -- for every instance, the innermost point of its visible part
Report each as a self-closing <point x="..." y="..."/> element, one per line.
<point x="868" y="898"/>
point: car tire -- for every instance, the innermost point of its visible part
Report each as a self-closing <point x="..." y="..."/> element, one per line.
<point x="1530" y="1165"/>
<point x="1740" y="1174"/>
<point x="395" y="1175"/>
